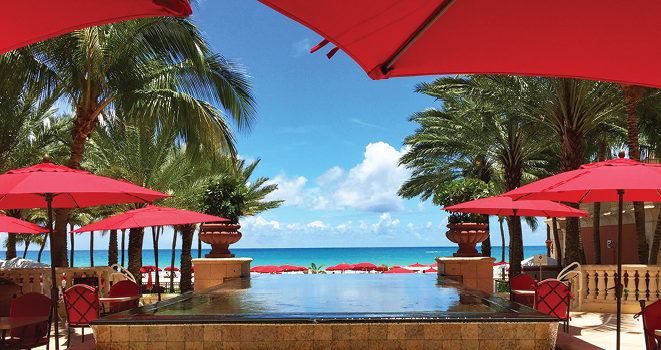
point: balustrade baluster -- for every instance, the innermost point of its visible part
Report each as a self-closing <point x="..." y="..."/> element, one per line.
<point x="626" y="285"/>
<point x="587" y="284"/>
<point x="657" y="285"/>
<point x="596" y="284"/>
<point x="636" y="281"/>
<point x="647" y="285"/>
<point x="614" y="283"/>
<point x="605" y="285"/>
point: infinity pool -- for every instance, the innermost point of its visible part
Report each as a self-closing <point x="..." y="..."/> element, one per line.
<point x="342" y="307"/>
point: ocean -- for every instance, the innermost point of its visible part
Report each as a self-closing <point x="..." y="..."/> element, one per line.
<point x="296" y="256"/>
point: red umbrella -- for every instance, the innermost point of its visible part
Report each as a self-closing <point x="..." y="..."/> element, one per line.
<point x="417" y="265"/>
<point x="256" y="268"/>
<point x="608" y="181"/>
<point x="50" y="186"/>
<point x="381" y="269"/>
<point x="344" y="266"/>
<point x="13" y="225"/>
<point x="170" y="268"/>
<point x="28" y="21"/>
<point x="395" y="267"/>
<point x="364" y="266"/>
<point x="399" y="270"/>
<point x="394" y="38"/>
<point x="432" y="270"/>
<point x="289" y="268"/>
<point x="270" y="269"/>
<point x="505" y="206"/>
<point x="150" y="215"/>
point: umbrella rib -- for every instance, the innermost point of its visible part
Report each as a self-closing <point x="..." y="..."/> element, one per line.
<point x="385" y="68"/>
<point x="585" y="195"/>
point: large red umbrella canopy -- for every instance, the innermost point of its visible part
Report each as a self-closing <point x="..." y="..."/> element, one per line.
<point x="149" y="216"/>
<point x="597" y="182"/>
<point x="364" y="266"/>
<point x="399" y="270"/>
<point x="28" y="21"/>
<point x="289" y="268"/>
<point x="505" y="206"/>
<point x="26" y="187"/>
<point x="343" y="266"/>
<point x="13" y="225"/>
<point x="170" y="268"/>
<point x="608" y="181"/>
<point x="270" y="269"/>
<point x="563" y="38"/>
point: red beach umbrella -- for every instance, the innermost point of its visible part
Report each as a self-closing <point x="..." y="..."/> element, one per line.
<point x="256" y="268"/>
<point x="417" y="265"/>
<point x="395" y="267"/>
<point x="271" y="269"/>
<point x="50" y="186"/>
<point x="364" y="266"/>
<point x="608" y="181"/>
<point x="13" y="225"/>
<point x="150" y="215"/>
<point x="395" y="38"/>
<point x="399" y="270"/>
<point x="170" y="268"/>
<point x="26" y="22"/>
<point x="344" y="266"/>
<point x="505" y="206"/>
<point x="303" y="268"/>
<point x="381" y="269"/>
<point x="331" y="268"/>
<point x="289" y="268"/>
<point x="432" y="270"/>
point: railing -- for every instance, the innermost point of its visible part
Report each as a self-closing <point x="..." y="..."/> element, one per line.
<point x="641" y="282"/>
<point x="39" y="280"/>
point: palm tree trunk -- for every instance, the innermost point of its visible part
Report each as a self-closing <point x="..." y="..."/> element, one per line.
<point x="58" y="250"/>
<point x="11" y="246"/>
<point x="199" y="247"/>
<point x="632" y="95"/>
<point x="502" y="238"/>
<point x="136" y="236"/>
<point x="123" y="245"/>
<point x="187" y="233"/>
<point x="571" y="158"/>
<point x="112" y="248"/>
<point x="43" y="245"/>
<point x="27" y="244"/>
<point x="92" y="248"/>
<point x="516" y="245"/>
<point x="155" y="231"/>
<point x="655" y="242"/>
<point x="556" y="238"/>
<point x="486" y="245"/>
<point x="174" y="246"/>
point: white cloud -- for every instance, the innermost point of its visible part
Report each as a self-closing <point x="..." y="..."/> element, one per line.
<point x="290" y="190"/>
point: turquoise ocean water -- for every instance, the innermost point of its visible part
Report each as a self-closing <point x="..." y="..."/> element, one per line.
<point x="296" y="256"/>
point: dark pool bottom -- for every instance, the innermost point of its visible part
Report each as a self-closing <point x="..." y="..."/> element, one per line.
<point x="358" y="311"/>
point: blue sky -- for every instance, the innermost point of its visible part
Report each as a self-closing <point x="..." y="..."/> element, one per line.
<point x="329" y="136"/>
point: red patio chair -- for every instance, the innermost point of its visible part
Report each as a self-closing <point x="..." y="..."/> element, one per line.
<point x="651" y="321"/>
<point x="124" y="289"/>
<point x="554" y="298"/>
<point x="522" y="282"/>
<point x="82" y="304"/>
<point x="34" y="335"/>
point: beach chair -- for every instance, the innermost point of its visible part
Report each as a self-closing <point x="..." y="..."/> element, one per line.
<point x="124" y="289"/>
<point x="651" y="321"/>
<point x="522" y="282"/>
<point x="33" y="335"/>
<point x="553" y="297"/>
<point x="82" y="305"/>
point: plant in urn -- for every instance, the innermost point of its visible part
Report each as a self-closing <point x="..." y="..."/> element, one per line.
<point x="465" y="229"/>
<point x="232" y="197"/>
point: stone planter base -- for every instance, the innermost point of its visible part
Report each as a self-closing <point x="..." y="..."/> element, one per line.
<point x="212" y="272"/>
<point x="474" y="272"/>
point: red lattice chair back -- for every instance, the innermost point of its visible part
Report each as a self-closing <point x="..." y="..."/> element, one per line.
<point x="522" y="282"/>
<point x="554" y="298"/>
<point x="124" y="289"/>
<point x="30" y="304"/>
<point x="82" y="304"/>
<point x="651" y="321"/>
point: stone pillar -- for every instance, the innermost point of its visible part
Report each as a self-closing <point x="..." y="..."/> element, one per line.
<point x="475" y="272"/>
<point x="212" y="272"/>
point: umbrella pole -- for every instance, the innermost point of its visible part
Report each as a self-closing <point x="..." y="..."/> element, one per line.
<point x="618" y="282"/>
<point x="158" y="283"/>
<point x="54" y="293"/>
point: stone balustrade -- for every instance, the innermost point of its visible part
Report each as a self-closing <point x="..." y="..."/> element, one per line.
<point x="641" y="282"/>
<point x="39" y="279"/>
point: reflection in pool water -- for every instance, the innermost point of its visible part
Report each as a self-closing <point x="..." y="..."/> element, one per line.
<point x="339" y="297"/>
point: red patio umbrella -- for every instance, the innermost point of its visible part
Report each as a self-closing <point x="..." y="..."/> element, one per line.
<point x="28" y="21"/>
<point x="270" y="269"/>
<point x="432" y="270"/>
<point x="150" y="216"/>
<point x="381" y="269"/>
<point x="399" y="270"/>
<point x="505" y="206"/>
<point x="289" y="268"/>
<point x="50" y="186"/>
<point x="395" y="38"/>
<point x="364" y="266"/>
<point x="608" y="181"/>
<point x="13" y="225"/>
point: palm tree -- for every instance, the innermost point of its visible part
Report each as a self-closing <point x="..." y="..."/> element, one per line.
<point x="157" y="71"/>
<point x="473" y="131"/>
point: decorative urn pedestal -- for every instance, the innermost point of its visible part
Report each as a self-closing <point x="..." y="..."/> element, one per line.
<point x="467" y="235"/>
<point x="219" y="264"/>
<point x="220" y="236"/>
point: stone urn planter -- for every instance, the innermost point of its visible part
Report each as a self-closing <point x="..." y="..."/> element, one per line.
<point x="467" y="235"/>
<point x="220" y="236"/>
